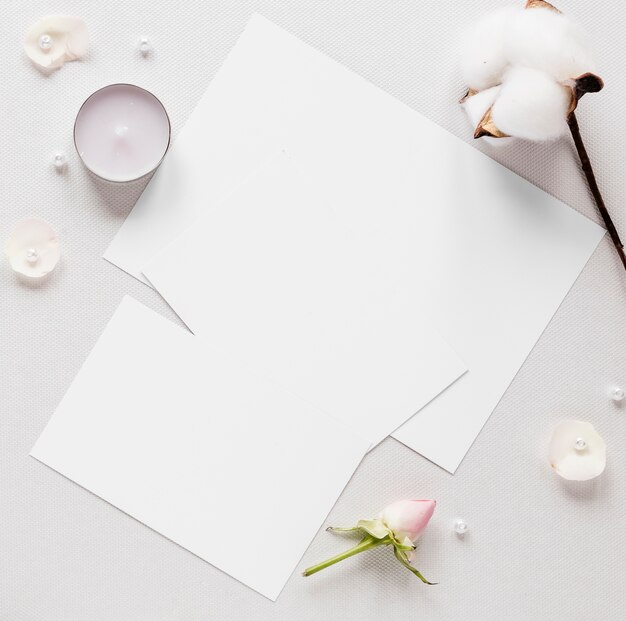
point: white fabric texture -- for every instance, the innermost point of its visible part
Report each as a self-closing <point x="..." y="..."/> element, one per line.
<point x="537" y="547"/>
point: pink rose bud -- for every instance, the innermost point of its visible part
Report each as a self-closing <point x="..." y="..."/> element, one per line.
<point x="408" y="518"/>
<point x="398" y="525"/>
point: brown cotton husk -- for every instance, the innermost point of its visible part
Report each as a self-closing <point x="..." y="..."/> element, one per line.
<point x="540" y="4"/>
<point x="586" y="83"/>
<point x="487" y="127"/>
<point x="469" y="93"/>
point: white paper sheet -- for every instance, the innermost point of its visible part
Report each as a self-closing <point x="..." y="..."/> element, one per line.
<point x="185" y="440"/>
<point x="314" y="293"/>
<point x="196" y="174"/>
<point x="493" y="256"/>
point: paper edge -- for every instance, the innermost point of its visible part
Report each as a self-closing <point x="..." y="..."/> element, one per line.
<point x="453" y="466"/>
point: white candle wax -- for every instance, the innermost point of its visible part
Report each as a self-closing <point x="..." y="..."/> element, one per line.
<point x="122" y="132"/>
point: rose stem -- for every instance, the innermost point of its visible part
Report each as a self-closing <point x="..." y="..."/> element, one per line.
<point x="365" y="544"/>
<point x="593" y="186"/>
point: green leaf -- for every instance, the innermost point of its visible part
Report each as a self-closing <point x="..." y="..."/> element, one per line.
<point x="401" y="556"/>
<point x="338" y="529"/>
<point x="375" y="528"/>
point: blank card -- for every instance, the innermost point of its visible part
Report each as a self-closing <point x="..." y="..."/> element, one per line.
<point x="313" y="293"/>
<point x="492" y="256"/>
<point x="184" y="439"/>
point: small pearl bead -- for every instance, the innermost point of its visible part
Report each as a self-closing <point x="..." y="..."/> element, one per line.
<point x="460" y="527"/>
<point x="617" y="393"/>
<point x="580" y="444"/>
<point x="59" y="161"/>
<point x="32" y="256"/>
<point x="45" y="42"/>
<point x="144" y="46"/>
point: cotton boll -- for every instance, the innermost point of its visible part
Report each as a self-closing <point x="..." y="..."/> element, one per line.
<point x="475" y="107"/>
<point x="549" y="41"/>
<point x="531" y="105"/>
<point x="483" y="57"/>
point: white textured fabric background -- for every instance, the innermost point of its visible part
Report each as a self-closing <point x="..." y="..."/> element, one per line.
<point x="538" y="548"/>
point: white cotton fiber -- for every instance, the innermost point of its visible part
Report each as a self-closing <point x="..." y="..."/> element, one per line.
<point x="475" y="108"/>
<point x="483" y="57"/>
<point x="550" y="41"/>
<point x="531" y="105"/>
<point x="521" y="62"/>
<point x="476" y="105"/>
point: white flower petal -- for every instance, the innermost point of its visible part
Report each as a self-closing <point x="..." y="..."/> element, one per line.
<point x="572" y="463"/>
<point x="407" y="542"/>
<point x="33" y="248"/>
<point x="531" y="105"/>
<point x="548" y="41"/>
<point x="78" y="38"/>
<point x="483" y="58"/>
<point x="69" y="41"/>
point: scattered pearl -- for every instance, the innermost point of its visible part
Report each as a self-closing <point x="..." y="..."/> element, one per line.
<point x="32" y="256"/>
<point x="460" y="527"/>
<point x="144" y="46"/>
<point x="45" y="42"/>
<point x="59" y="161"/>
<point x="617" y="394"/>
<point x="580" y="444"/>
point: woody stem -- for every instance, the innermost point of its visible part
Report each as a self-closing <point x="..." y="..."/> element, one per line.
<point x="593" y="186"/>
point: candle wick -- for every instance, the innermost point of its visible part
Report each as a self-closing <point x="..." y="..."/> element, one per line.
<point x="121" y="130"/>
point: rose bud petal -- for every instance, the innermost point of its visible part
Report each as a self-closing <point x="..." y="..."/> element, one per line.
<point x="577" y="452"/>
<point x="408" y="518"/>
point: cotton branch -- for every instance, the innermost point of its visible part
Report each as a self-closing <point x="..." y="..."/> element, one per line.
<point x="572" y="121"/>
